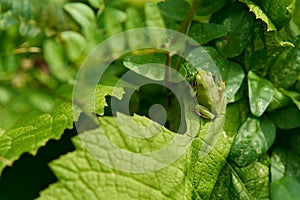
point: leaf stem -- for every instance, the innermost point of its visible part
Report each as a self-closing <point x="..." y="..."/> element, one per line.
<point x="186" y="25"/>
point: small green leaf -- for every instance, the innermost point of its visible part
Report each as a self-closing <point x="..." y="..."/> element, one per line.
<point x="153" y="16"/>
<point x="261" y="92"/>
<point x="92" y="35"/>
<point x="239" y="22"/>
<point x="278" y="164"/>
<point x="254" y="138"/>
<point x="75" y="45"/>
<point x="177" y="9"/>
<point x="112" y="22"/>
<point x="133" y="62"/>
<point x="6" y="94"/>
<point x="7" y="20"/>
<point x="97" y="3"/>
<point x="233" y="119"/>
<point x="154" y="19"/>
<point x="204" y="33"/>
<point x="208" y="7"/>
<point x="81" y="13"/>
<point x="133" y="21"/>
<point x="28" y="30"/>
<point x="54" y="55"/>
<point x="233" y="75"/>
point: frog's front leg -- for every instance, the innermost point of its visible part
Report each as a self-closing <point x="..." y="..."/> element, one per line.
<point x="204" y="112"/>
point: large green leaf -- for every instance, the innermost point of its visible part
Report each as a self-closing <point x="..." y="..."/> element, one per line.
<point x="153" y="185"/>
<point x="193" y="175"/>
<point x="254" y="138"/>
<point x="239" y="23"/>
<point x="97" y="181"/>
<point x="261" y="92"/>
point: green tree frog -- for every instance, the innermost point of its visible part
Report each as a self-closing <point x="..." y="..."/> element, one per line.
<point x="211" y="98"/>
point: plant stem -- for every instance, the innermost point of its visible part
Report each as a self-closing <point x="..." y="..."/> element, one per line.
<point x="186" y="24"/>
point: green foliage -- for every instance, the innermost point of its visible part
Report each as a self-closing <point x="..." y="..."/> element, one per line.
<point x="204" y="33"/>
<point x="285" y="169"/>
<point x="254" y="138"/>
<point x="261" y="92"/>
<point x="174" y="9"/>
<point x="251" y="152"/>
<point x="239" y="23"/>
